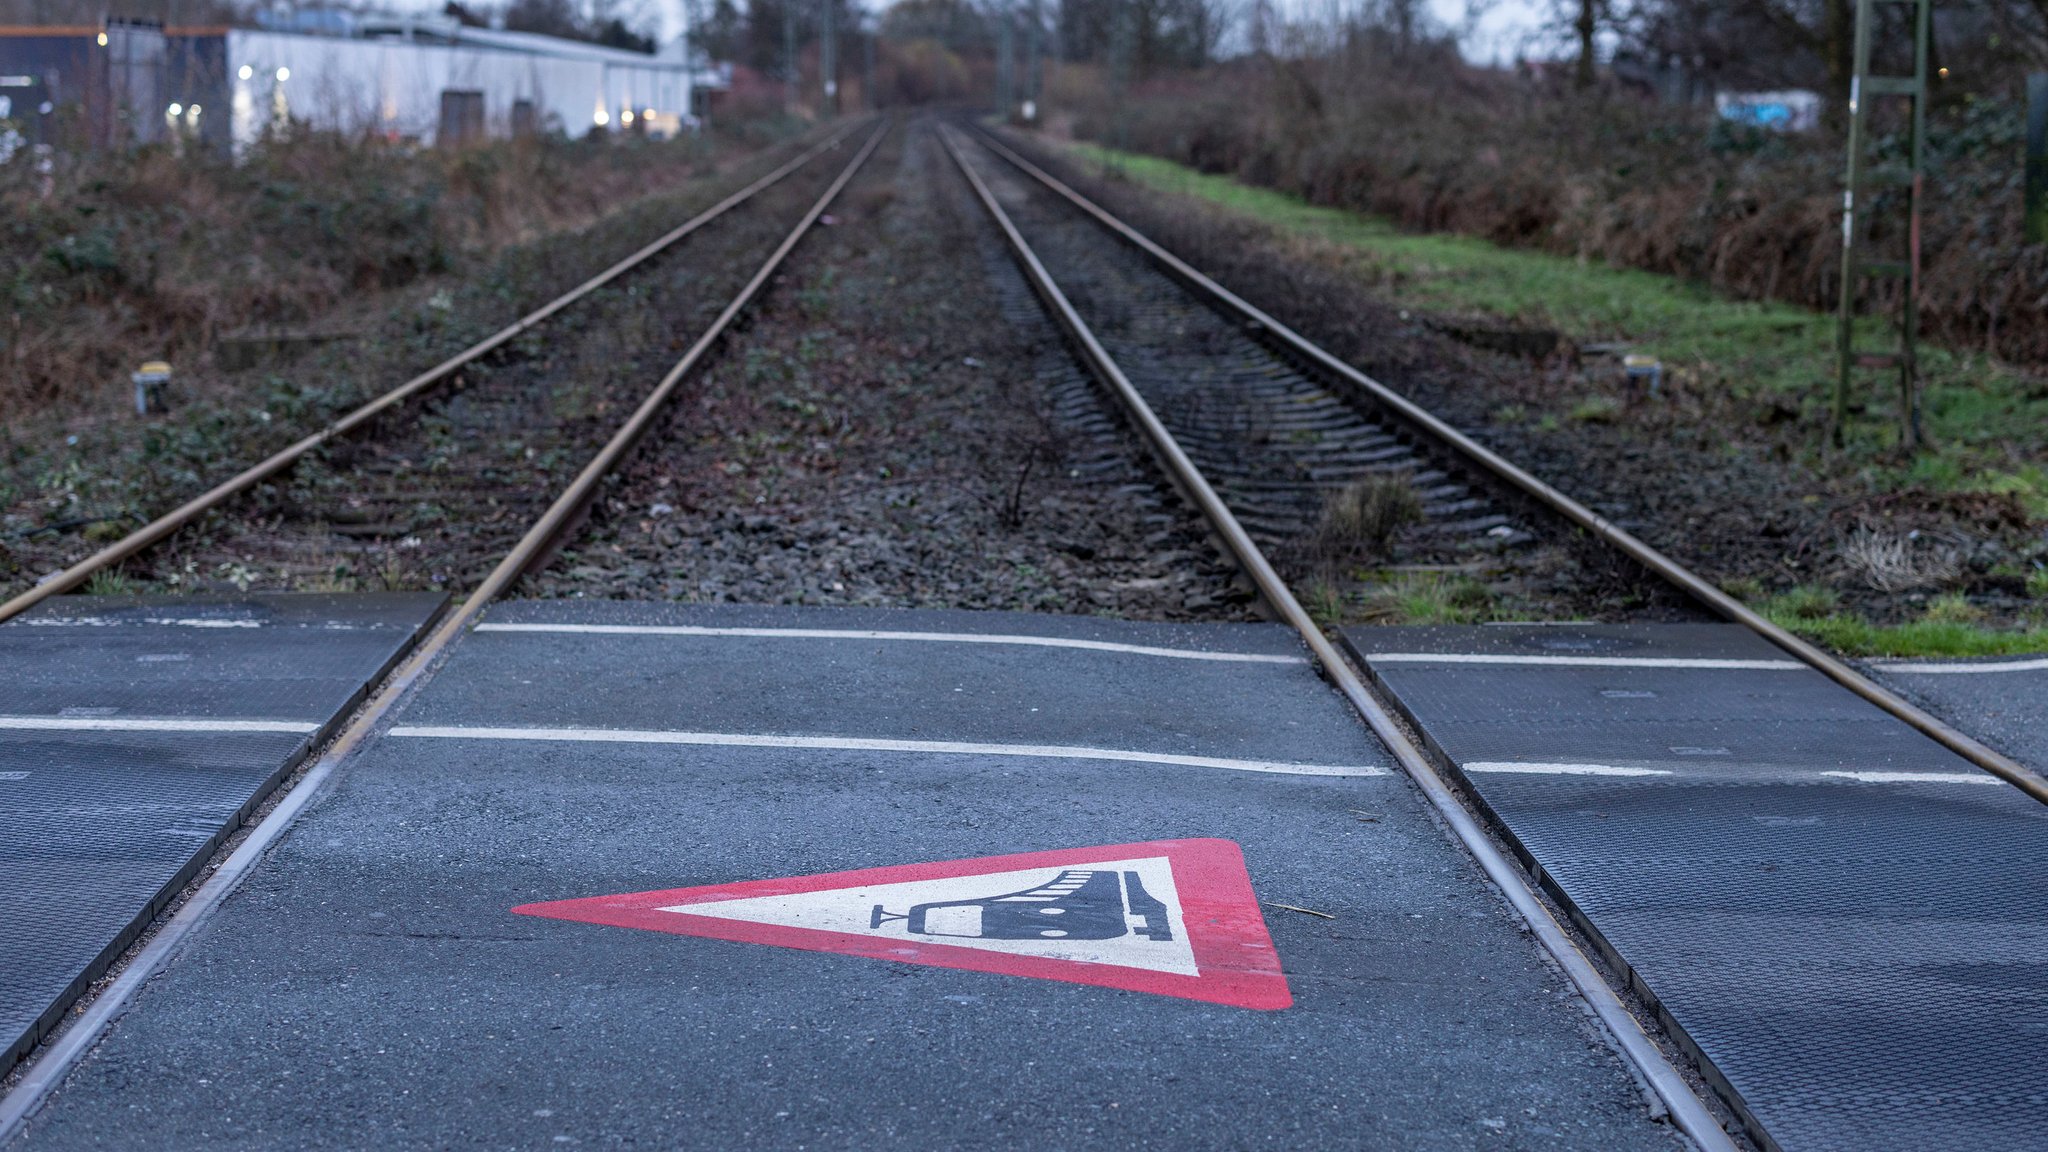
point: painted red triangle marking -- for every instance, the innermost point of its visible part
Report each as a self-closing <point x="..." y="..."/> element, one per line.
<point x="1168" y="917"/>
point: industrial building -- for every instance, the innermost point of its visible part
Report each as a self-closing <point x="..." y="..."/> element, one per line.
<point x="434" y="81"/>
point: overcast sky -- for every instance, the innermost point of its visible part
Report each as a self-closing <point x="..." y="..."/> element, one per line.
<point x="1503" y="29"/>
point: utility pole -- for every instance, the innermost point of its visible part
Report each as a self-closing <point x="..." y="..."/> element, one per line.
<point x="1033" y="77"/>
<point x="1120" y="36"/>
<point x="789" y="56"/>
<point x="1861" y="179"/>
<point x="1006" y="84"/>
<point x="828" y="58"/>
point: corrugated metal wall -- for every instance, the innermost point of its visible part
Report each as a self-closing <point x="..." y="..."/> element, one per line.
<point x="227" y="87"/>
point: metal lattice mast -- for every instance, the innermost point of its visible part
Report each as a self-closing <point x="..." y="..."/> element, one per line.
<point x="1861" y="178"/>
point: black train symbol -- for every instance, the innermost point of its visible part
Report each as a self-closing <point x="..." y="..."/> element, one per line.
<point x="1078" y="904"/>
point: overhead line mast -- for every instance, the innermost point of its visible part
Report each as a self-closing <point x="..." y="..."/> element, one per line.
<point x="1864" y="177"/>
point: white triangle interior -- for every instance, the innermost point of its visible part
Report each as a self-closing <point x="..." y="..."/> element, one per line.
<point x="1019" y="912"/>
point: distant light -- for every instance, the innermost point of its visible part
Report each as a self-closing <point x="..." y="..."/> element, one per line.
<point x="177" y="109"/>
<point x="103" y="39"/>
<point x="602" y="118"/>
<point x="192" y="111"/>
<point x="647" y="115"/>
<point x="246" y="72"/>
<point x="283" y="74"/>
<point x="1944" y="73"/>
<point x="626" y="117"/>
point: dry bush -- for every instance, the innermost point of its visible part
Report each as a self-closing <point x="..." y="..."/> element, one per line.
<point x="1889" y="562"/>
<point x="1605" y="175"/>
<point x="1365" y="514"/>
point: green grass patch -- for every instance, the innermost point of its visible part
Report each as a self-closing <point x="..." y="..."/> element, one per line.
<point x="1980" y="415"/>
<point x="1950" y="626"/>
<point x="1428" y="598"/>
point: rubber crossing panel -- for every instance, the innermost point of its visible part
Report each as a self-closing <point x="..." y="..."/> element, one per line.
<point x="1847" y="923"/>
<point x="135" y="734"/>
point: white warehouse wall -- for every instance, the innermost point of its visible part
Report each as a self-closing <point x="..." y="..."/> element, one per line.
<point x="394" y="87"/>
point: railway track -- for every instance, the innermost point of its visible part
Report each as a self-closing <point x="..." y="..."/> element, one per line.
<point x="1280" y="422"/>
<point x="1261" y="432"/>
<point x="428" y="483"/>
<point x="1687" y="1110"/>
<point x="1208" y="379"/>
<point x="532" y="546"/>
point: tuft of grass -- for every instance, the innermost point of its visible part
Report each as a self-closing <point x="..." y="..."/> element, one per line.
<point x="1806" y="602"/>
<point x="1429" y="598"/>
<point x="2037" y="584"/>
<point x="1367" y="513"/>
<point x="108" y="582"/>
<point x="1323" y="603"/>
<point x="1596" y="410"/>
<point x="1954" y="608"/>
<point x="1745" y="588"/>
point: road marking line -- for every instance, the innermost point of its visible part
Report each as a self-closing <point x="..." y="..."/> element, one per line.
<point x="1580" y="661"/>
<point x="863" y="744"/>
<point x="1917" y="777"/>
<point x="1533" y="769"/>
<point x="141" y="724"/>
<point x="1965" y="669"/>
<point x="861" y="634"/>
<point x="168" y="621"/>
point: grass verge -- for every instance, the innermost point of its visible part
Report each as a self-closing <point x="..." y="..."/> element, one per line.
<point x="1988" y="422"/>
<point x="1948" y="627"/>
<point x="1985" y="419"/>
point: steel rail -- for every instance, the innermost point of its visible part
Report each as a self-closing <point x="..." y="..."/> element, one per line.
<point x="167" y="524"/>
<point x="1686" y="1109"/>
<point x="62" y="1054"/>
<point x="1961" y="743"/>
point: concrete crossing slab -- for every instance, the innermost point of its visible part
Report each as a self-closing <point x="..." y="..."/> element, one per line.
<point x="403" y="971"/>
<point x="134" y="735"/>
<point x="1848" y="923"/>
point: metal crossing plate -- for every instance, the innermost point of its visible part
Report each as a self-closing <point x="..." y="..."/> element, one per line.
<point x="500" y="925"/>
<point x="134" y="735"/>
<point x="1848" y="924"/>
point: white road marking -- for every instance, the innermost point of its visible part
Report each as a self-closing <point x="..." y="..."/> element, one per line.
<point x="925" y="637"/>
<point x="1580" y="661"/>
<point x="106" y="622"/>
<point x="140" y="724"/>
<point x="1917" y="777"/>
<point x="1861" y="777"/>
<point x="1965" y="669"/>
<point x="1533" y="769"/>
<point x="864" y="744"/>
